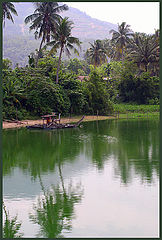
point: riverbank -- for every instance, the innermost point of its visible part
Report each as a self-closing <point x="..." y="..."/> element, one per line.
<point x="128" y="115"/>
<point x="25" y="123"/>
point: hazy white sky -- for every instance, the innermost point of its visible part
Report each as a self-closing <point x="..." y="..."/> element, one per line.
<point x="142" y="16"/>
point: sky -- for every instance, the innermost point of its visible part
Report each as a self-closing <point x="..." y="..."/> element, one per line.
<point x="141" y="16"/>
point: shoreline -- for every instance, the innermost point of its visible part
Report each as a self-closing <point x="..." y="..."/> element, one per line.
<point x="24" y="123"/>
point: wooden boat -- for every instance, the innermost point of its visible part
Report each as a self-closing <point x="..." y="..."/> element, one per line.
<point x="55" y="125"/>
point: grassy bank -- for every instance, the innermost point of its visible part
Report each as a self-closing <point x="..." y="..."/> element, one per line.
<point x="121" y="111"/>
<point x="130" y="111"/>
<point x="133" y="108"/>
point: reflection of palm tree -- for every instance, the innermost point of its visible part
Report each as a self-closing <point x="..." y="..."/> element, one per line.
<point x="61" y="177"/>
<point x="55" y="209"/>
<point x="10" y="226"/>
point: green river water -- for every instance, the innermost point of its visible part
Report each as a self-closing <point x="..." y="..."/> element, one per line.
<point x="99" y="180"/>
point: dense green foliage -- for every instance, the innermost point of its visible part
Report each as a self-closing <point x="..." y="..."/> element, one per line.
<point x="30" y="92"/>
<point x="142" y="89"/>
<point x="33" y="91"/>
<point x="125" y="70"/>
<point x="98" y="99"/>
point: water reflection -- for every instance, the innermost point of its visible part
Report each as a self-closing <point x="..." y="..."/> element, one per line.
<point x="133" y="146"/>
<point x="116" y="163"/>
<point x="54" y="209"/>
<point x="11" y="226"/>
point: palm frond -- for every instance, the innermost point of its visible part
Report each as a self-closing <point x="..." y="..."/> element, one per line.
<point x="31" y="18"/>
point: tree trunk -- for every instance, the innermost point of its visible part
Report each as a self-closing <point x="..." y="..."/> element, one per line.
<point x="122" y="55"/>
<point x="39" y="52"/>
<point x="58" y="67"/>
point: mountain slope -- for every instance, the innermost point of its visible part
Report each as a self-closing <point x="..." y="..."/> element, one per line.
<point x="18" y="42"/>
<point x="84" y="26"/>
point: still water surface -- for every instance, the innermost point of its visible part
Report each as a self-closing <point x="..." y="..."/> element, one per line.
<point x="101" y="180"/>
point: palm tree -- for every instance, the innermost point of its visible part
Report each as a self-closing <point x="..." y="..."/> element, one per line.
<point x="144" y="50"/>
<point x="111" y="50"/>
<point x="8" y="8"/>
<point x="156" y="64"/>
<point x="97" y="53"/>
<point x="62" y="39"/>
<point x="121" y="37"/>
<point x="44" y="20"/>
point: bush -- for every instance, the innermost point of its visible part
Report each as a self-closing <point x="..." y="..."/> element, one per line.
<point x="97" y="97"/>
<point x="73" y="89"/>
<point x="140" y="89"/>
<point x="45" y="97"/>
<point x="147" y="88"/>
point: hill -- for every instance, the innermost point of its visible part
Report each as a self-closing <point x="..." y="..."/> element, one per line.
<point x="18" y="42"/>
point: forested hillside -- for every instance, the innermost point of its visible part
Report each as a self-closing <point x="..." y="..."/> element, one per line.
<point x="17" y="39"/>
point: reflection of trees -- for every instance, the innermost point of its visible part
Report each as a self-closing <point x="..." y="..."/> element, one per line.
<point x="136" y="151"/>
<point x="54" y="210"/>
<point x="136" y="138"/>
<point x="11" y="226"/>
<point x="39" y="151"/>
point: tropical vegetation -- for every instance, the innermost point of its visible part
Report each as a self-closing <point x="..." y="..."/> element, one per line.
<point x="62" y="39"/>
<point x="123" y="69"/>
<point x="44" y="20"/>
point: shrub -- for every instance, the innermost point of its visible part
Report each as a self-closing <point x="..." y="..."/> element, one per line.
<point x="45" y="97"/>
<point x="97" y="97"/>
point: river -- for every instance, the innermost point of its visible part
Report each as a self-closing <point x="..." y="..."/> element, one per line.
<point x="99" y="180"/>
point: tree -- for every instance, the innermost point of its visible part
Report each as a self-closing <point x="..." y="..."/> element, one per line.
<point x="121" y="37"/>
<point x="97" y="53"/>
<point x="144" y="50"/>
<point x="62" y="39"/>
<point x="112" y="50"/>
<point x="8" y="8"/>
<point x="44" y="20"/>
<point x="97" y="96"/>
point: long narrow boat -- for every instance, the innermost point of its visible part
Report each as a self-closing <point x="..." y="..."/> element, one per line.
<point x="55" y="125"/>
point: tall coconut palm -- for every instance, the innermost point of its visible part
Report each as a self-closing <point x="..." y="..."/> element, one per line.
<point x="63" y="40"/>
<point x="44" y="20"/>
<point x="121" y="37"/>
<point x="156" y="38"/>
<point x="8" y="8"/>
<point x="97" y="53"/>
<point x="144" y="50"/>
<point x="111" y="50"/>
